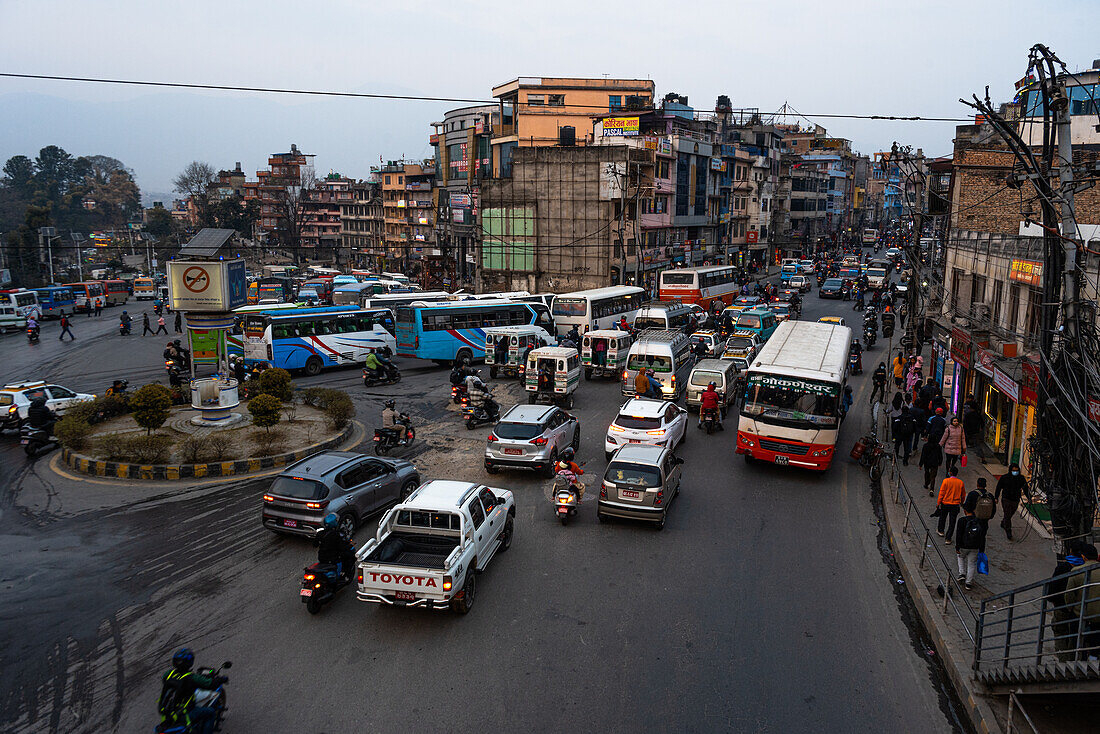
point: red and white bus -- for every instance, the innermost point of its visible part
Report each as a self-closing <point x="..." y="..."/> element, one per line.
<point x="699" y="285"/>
<point x="791" y="409"/>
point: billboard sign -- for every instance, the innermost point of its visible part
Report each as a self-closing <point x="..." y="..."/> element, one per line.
<point x="1026" y="271"/>
<point x="206" y="286"/>
<point x="620" y="126"/>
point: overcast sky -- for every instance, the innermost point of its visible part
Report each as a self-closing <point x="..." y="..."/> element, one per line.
<point x="848" y="56"/>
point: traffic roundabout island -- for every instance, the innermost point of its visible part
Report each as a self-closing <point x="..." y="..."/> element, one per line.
<point x="119" y="449"/>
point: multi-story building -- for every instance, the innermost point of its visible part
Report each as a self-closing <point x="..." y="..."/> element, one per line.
<point x="462" y="143"/>
<point x="408" y="215"/>
<point x="835" y="157"/>
<point x="228" y="185"/>
<point x="808" y="209"/>
<point x="319" y="219"/>
<point x="361" y="225"/>
<point x="279" y="191"/>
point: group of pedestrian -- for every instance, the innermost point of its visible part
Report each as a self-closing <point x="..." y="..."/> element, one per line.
<point x="162" y="325"/>
<point x="1075" y="599"/>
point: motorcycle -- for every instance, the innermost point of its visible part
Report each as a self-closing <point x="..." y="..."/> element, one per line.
<point x="123" y="328"/>
<point x="320" y="584"/>
<point x="855" y="363"/>
<point x="821" y="279"/>
<point x="479" y="415"/>
<point x="402" y="434"/>
<point x="37" y="441"/>
<point x="175" y="375"/>
<point x="710" y="420"/>
<point x="567" y="495"/>
<point x="32" y="334"/>
<point x="458" y="394"/>
<point x="208" y="698"/>
<point x="869" y="335"/>
<point x="390" y="376"/>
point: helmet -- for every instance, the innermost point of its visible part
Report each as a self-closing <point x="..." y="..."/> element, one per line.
<point x="390" y="404"/>
<point x="331" y="521"/>
<point x="712" y="385"/>
<point x="939" y="411"/>
<point x="183" y="659"/>
<point x="38" y="402"/>
<point x="567" y="454"/>
<point x="562" y="466"/>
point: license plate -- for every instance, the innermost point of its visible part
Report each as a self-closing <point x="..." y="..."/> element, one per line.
<point x="290" y="523"/>
<point x="563" y="510"/>
<point x="634" y="440"/>
<point x="513" y="452"/>
<point x="782" y="460"/>
<point x="629" y="494"/>
<point x="306" y="592"/>
<point x="404" y="595"/>
<point x="24" y="441"/>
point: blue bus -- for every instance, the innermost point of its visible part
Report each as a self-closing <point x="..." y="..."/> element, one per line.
<point x="310" y="339"/>
<point x="450" y="331"/>
<point x="56" y="301"/>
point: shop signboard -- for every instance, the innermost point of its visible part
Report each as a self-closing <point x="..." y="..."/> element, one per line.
<point x="1094" y="409"/>
<point x="960" y="346"/>
<point x="649" y="142"/>
<point x="1006" y="384"/>
<point x="1029" y="387"/>
<point x="664" y="146"/>
<point x="460" y="200"/>
<point x="620" y="127"/>
<point x="1026" y="271"/>
<point x="984" y="361"/>
<point x="752" y="236"/>
<point x="949" y="379"/>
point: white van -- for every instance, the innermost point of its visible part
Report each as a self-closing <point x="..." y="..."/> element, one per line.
<point x="668" y="354"/>
<point x="671" y="315"/>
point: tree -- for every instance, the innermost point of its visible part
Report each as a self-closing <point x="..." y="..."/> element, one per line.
<point x="289" y="204"/>
<point x="19" y="176"/>
<point x="265" y="411"/>
<point x="150" y="405"/>
<point x="158" y="222"/>
<point x="234" y="212"/>
<point x="195" y="181"/>
<point x="54" y="172"/>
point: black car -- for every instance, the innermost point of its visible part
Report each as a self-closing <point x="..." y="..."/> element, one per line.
<point x="831" y="288"/>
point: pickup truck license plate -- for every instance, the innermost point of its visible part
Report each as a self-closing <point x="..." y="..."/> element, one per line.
<point x="306" y="592"/>
<point x="782" y="460"/>
<point x="290" y="523"/>
<point x="629" y="494"/>
<point x="513" y="452"/>
<point x="404" y="596"/>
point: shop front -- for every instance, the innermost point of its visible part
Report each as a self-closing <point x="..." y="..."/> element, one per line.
<point x="956" y="369"/>
<point x="1007" y="418"/>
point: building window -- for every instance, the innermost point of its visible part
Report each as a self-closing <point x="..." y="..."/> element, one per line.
<point x="387" y="179"/>
<point x="557" y="100"/>
<point x="662" y="169"/>
<point x="536" y="99"/>
<point x="614" y="102"/>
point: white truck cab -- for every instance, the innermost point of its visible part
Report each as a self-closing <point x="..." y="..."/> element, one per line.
<point x="430" y="548"/>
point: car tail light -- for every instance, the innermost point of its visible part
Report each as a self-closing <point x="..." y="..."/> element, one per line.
<point x="603" y="491"/>
<point x="359" y="577"/>
<point x="317" y="505"/>
<point x="540" y="441"/>
<point x="617" y="429"/>
<point x="660" y="432"/>
<point x="625" y="374"/>
<point x="660" y="498"/>
<point x="492" y="438"/>
<point x="447" y="583"/>
<point x="268" y="498"/>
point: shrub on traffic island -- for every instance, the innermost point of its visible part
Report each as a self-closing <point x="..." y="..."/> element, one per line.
<point x="194" y="449"/>
<point x="150" y="405"/>
<point x="72" y="431"/>
<point x="275" y="382"/>
<point x="149" y="449"/>
<point x="338" y="407"/>
<point x="267" y="442"/>
<point x="265" y="410"/>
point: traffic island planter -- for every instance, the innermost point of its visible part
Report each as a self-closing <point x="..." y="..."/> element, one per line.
<point x="162" y="472"/>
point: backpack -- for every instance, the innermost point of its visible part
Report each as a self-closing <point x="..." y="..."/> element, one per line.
<point x="970" y="534"/>
<point x="174" y="702"/>
<point x="985" y="507"/>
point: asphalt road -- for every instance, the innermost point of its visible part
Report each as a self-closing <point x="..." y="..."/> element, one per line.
<point x="766" y="604"/>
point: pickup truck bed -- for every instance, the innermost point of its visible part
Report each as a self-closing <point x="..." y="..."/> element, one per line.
<point x="413" y="549"/>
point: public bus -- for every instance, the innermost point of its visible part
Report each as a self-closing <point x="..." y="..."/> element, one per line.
<point x="870" y="236"/>
<point x="274" y="290"/>
<point x="116" y="290"/>
<point x="88" y="294"/>
<point x="399" y="277"/>
<point x="23" y="301"/>
<point x="393" y="300"/>
<point x="234" y="338"/>
<point x="447" y="331"/>
<point x="791" y="409"/>
<point x="56" y="301"/>
<point x="598" y="308"/>
<point x="145" y="289"/>
<point x="310" y="339"/>
<point x="703" y="286"/>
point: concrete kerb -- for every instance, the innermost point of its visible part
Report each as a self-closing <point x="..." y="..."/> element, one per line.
<point x="162" y="472"/>
<point x="955" y="660"/>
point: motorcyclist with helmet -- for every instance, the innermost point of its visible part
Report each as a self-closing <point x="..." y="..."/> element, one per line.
<point x="570" y="470"/>
<point x="40" y="416"/>
<point x="710" y="400"/>
<point x="371" y="363"/>
<point x="176" y="704"/>
<point x="857" y="350"/>
<point x="124" y="321"/>
<point x="32" y="326"/>
<point x="333" y="547"/>
<point x="389" y="417"/>
<point x="184" y="355"/>
<point x="479" y="393"/>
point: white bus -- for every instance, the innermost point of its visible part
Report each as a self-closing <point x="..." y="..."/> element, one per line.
<point x="23" y="302"/>
<point x="791" y="410"/>
<point x="870" y="236"/>
<point x="393" y="300"/>
<point x="310" y="339"/>
<point x="599" y="308"/>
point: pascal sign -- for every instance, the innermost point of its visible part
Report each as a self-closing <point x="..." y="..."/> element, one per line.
<point x="206" y="286"/>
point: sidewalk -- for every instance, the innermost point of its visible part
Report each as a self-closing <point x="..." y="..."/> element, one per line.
<point x="948" y="611"/>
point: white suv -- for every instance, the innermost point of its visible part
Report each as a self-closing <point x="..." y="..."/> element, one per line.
<point x="15" y="400"/>
<point x="646" y="421"/>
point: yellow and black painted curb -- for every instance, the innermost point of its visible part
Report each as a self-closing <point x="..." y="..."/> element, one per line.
<point x="161" y="472"/>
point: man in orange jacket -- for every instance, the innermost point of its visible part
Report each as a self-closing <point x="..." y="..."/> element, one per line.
<point x="952" y="491"/>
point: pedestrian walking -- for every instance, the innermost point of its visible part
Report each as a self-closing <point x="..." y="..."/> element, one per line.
<point x="66" y="328"/>
<point x="948" y="503"/>
<point x="145" y="327"/>
<point x="161" y="327"/>
<point x="973" y="423"/>
<point x="878" y="383"/>
<point x="1064" y="623"/>
<point x="969" y="539"/>
<point x="98" y="307"/>
<point x="1010" y="488"/>
<point x="953" y="442"/>
<point x="893" y="413"/>
<point x="179" y="323"/>
<point x="899" y="371"/>
<point x="903" y="434"/>
<point x="913" y="378"/>
<point x="1083" y="593"/>
<point x="931" y="458"/>
<point x="920" y="422"/>
<point x="927" y="393"/>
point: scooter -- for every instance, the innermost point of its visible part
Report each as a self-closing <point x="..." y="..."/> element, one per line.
<point x="124" y="328"/>
<point x="870" y="334"/>
<point x="32" y="334"/>
<point x="390" y="376"/>
<point x="208" y="698"/>
<point x="458" y="394"/>
<point x="36" y="441"/>
<point x="402" y="434"/>
<point x="710" y="420"/>
<point x="855" y="363"/>
<point x="567" y="495"/>
<point x="175" y="375"/>
<point x="479" y="415"/>
<point x="320" y="584"/>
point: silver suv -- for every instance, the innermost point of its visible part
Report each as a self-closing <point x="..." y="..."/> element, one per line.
<point x="352" y="485"/>
<point x="639" y="484"/>
<point x="531" y="437"/>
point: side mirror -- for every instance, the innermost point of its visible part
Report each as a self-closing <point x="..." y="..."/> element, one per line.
<point x="676" y="460"/>
<point x="227" y="664"/>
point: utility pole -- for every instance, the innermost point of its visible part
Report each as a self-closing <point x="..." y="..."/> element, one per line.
<point x="1069" y="222"/>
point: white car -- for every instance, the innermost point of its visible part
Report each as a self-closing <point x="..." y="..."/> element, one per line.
<point x="806" y="266"/>
<point x="15" y="400"/>
<point x="646" y="421"/>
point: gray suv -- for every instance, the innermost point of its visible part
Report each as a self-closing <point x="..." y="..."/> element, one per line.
<point x="531" y="437"/>
<point x="640" y="483"/>
<point x="352" y="485"/>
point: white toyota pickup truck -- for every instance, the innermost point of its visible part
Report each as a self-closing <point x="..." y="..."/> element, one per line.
<point x="430" y="548"/>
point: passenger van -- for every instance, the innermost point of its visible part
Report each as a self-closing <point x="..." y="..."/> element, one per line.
<point x="669" y="315"/>
<point x="760" y="321"/>
<point x="667" y="353"/>
<point x="723" y="373"/>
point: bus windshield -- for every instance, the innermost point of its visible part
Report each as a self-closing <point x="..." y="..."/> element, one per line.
<point x="678" y="278"/>
<point x="649" y="322"/>
<point x="570" y="306"/>
<point x="655" y="362"/>
<point x="791" y="402"/>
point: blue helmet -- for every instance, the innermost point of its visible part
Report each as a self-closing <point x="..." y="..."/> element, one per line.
<point x="331" y="521"/>
<point x="183" y="659"/>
